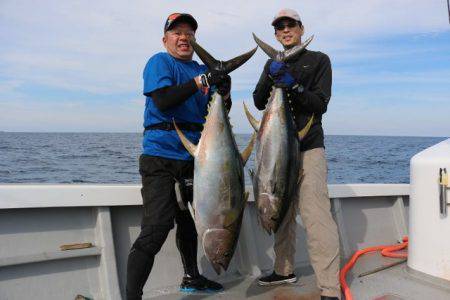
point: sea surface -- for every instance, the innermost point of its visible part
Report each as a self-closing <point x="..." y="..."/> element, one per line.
<point x="113" y="157"/>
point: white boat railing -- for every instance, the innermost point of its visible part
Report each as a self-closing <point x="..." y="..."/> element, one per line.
<point x="78" y="195"/>
<point x="36" y="219"/>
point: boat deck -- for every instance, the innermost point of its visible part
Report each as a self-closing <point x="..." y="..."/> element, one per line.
<point x="35" y="220"/>
<point x="394" y="283"/>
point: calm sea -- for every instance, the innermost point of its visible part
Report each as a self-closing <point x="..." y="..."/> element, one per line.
<point x="113" y="157"/>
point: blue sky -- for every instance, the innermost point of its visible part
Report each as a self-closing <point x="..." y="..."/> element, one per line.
<point x="77" y="66"/>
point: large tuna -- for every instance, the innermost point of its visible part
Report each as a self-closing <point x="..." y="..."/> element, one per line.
<point x="277" y="157"/>
<point x="219" y="190"/>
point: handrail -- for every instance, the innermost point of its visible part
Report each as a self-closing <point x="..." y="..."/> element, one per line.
<point x="92" y="195"/>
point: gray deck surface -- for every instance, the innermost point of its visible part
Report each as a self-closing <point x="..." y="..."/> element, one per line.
<point x="395" y="283"/>
<point x="30" y="258"/>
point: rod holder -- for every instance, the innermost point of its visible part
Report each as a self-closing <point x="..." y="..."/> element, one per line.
<point x="443" y="187"/>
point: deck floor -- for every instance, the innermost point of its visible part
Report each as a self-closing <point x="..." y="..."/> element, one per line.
<point x="395" y="283"/>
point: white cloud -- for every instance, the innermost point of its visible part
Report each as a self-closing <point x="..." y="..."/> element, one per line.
<point x="100" y="47"/>
<point x="351" y="77"/>
<point x="65" y="116"/>
<point x="9" y="86"/>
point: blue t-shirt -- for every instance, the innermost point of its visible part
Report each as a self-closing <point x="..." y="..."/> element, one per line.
<point x="163" y="70"/>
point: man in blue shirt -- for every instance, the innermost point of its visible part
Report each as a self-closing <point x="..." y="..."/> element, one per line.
<point x="177" y="88"/>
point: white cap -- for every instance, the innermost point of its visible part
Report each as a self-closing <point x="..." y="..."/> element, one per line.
<point x="286" y="13"/>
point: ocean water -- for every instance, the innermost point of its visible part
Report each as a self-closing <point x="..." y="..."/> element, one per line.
<point x="113" y="157"/>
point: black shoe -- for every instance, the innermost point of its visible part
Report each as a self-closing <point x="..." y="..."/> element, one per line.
<point x="199" y="284"/>
<point x="328" y="298"/>
<point x="274" y="279"/>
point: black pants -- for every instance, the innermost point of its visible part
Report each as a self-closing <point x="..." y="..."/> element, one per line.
<point x="160" y="210"/>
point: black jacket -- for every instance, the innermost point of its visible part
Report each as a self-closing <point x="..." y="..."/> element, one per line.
<point x="312" y="71"/>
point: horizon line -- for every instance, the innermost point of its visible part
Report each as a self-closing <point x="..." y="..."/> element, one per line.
<point x="242" y="133"/>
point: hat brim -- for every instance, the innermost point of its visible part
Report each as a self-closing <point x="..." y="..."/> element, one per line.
<point x="184" y="18"/>
<point x="282" y="18"/>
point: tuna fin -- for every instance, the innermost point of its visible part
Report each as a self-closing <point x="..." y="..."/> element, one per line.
<point x="300" y="176"/>
<point x="302" y="133"/>
<point x="281" y="55"/>
<point x="191" y="210"/>
<point x="191" y="148"/>
<point x="246" y="154"/>
<point x="246" y="196"/>
<point x="251" y="172"/>
<point x="221" y="66"/>
<point x="267" y="212"/>
<point x="255" y="123"/>
<point x="229" y="220"/>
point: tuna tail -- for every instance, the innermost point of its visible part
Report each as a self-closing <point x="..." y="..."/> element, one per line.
<point x="191" y="148"/>
<point x="248" y="150"/>
<point x="273" y="54"/>
<point x="224" y="67"/>
<point x="282" y="55"/>
<point x="255" y="123"/>
<point x="297" y="49"/>
<point x="302" y="133"/>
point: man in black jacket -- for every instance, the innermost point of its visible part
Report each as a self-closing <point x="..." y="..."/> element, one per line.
<point x="306" y="80"/>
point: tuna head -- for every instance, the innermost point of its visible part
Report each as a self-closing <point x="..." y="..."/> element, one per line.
<point x="269" y="212"/>
<point x="218" y="245"/>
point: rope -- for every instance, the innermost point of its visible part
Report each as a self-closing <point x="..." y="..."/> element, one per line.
<point x="387" y="251"/>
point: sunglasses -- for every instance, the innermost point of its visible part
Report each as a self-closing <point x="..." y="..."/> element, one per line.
<point x="178" y="33"/>
<point x="282" y="25"/>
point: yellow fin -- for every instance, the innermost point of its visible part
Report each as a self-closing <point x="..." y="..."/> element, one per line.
<point x="246" y="195"/>
<point x="302" y="133"/>
<point x="255" y="123"/>
<point x="191" y="148"/>
<point x="248" y="150"/>
<point x="229" y="219"/>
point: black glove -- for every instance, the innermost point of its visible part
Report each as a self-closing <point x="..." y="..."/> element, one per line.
<point x="213" y="78"/>
<point x="224" y="87"/>
<point x="280" y="75"/>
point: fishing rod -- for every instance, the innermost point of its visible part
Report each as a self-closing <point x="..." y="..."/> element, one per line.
<point x="448" y="8"/>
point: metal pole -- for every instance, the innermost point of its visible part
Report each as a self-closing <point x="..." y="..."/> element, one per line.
<point x="381" y="268"/>
<point x="448" y="8"/>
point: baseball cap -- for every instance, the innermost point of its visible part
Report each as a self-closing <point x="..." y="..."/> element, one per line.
<point x="286" y="13"/>
<point x="178" y="17"/>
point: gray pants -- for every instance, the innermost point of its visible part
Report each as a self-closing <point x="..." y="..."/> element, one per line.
<point x="321" y="231"/>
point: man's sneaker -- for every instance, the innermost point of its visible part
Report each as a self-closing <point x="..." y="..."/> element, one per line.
<point x="199" y="284"/>
<point x="274" y="279"/>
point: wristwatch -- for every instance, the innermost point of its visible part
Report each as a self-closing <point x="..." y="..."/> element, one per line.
<point x="298" y="88"/>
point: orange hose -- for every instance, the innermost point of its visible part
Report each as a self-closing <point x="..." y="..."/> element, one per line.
<point x="387" y="251"/>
